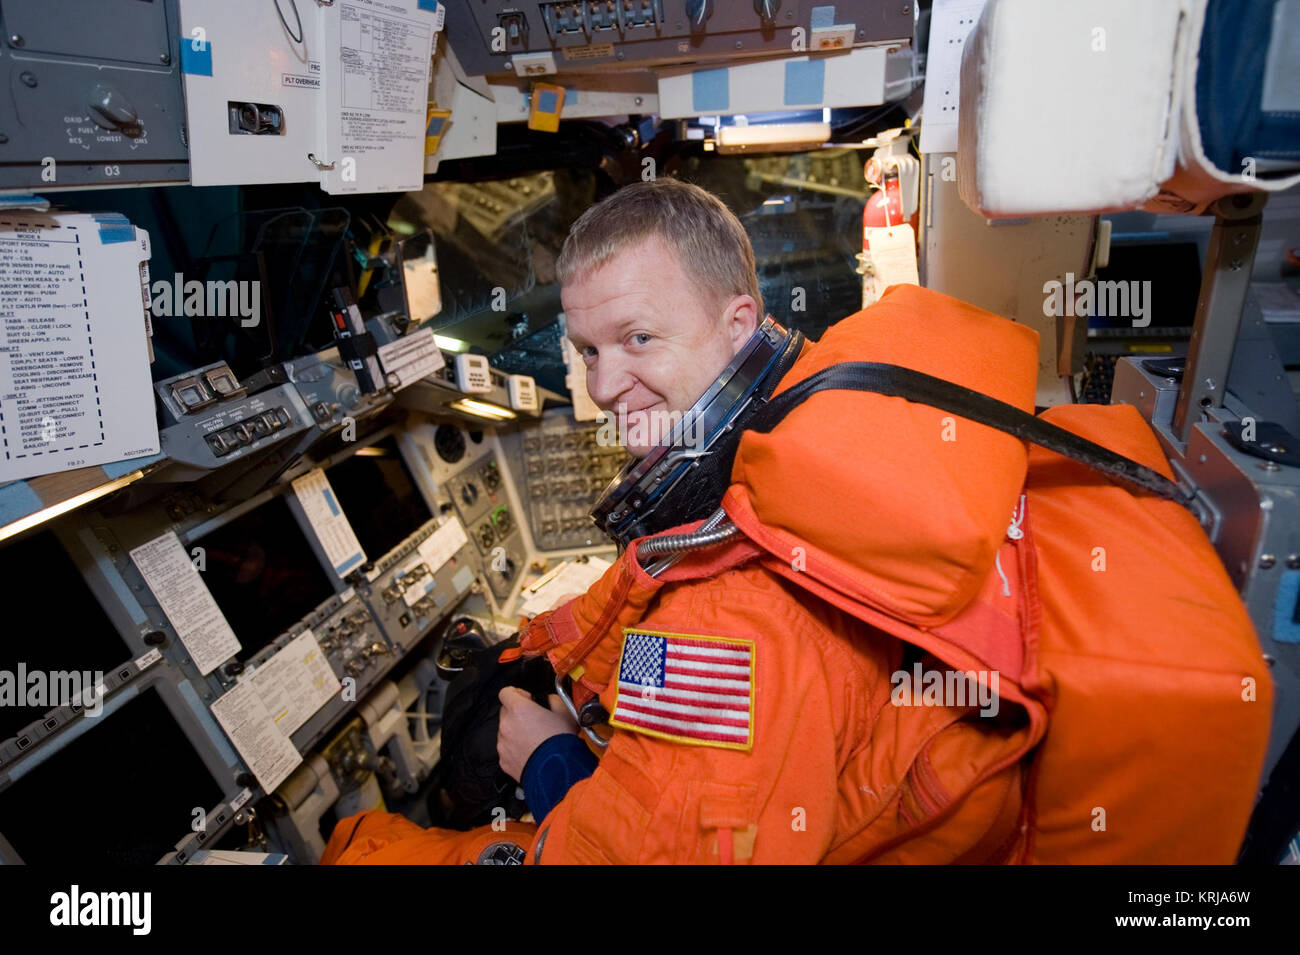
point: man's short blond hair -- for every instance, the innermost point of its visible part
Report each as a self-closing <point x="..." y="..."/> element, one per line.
<point x="709" y="241"/>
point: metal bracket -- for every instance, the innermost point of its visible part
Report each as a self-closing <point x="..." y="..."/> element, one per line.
<point x="1238" y="220"/>
<point x="590" y="733"/>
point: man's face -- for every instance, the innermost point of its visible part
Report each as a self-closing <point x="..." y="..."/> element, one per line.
<point x="651" y="342"/>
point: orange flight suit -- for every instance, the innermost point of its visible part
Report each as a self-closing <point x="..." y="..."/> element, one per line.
<point x="881" y="535"/>
<point x="822" y="704"/>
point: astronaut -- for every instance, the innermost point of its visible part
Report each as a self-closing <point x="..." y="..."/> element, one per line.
<point x="729" y="689"/>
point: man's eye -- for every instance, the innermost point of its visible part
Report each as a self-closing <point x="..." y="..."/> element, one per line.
<point x="641" y="338"/>
<point x="588" y="351"/>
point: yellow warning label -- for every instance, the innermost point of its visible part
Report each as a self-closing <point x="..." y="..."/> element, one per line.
<point x="593" y="51"/>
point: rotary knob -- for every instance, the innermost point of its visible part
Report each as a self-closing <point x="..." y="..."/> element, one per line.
<point x="111" y="110"/>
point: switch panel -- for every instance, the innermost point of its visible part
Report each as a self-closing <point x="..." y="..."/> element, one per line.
<point x="563" y="469"/>
<point x="479" y="495"/>
<point x="522" y="390"/>
<point x="473" y="377"/>
<point x="408" y="597"/>
<point x="94" y="93"/>
<point x="217" y="433"/>
<point x="578" y="35"/>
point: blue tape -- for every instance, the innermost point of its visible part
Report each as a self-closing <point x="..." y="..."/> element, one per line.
<point x="17" y="500"/>
<point x="1285" y="628"/>
<point x="24" y="201"/>
<point x="710" y="91"/>
<point x="805" y="82"/>
<point x="463" y="579"/>
<point x="196" y="62"/>
<point x="115" y="469"/>
<point x="570" y="96"/>
<point x="820" y="17"/>
<point x="351" y="562"/>
<point x="430" y="5"/>
<point x="329" y="499"/>
<point x="110" y="234"/>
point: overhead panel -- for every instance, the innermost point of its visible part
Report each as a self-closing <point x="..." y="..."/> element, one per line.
<point x="539" y="38"/>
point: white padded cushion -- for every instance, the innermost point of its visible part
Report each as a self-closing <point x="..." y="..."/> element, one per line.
<point x="1197" y="181"/>
<point x="1049" y="123"/>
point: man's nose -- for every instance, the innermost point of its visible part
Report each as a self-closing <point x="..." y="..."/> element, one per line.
<point x="610" y="379"/>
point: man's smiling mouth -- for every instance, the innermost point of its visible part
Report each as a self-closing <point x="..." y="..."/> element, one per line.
<point x="632" y="411"/>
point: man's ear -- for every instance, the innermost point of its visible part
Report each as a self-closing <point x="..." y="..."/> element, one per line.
<point x="741" y="320"/>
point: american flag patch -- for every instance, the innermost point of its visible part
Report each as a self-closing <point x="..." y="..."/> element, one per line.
<point x="686" y="687"/>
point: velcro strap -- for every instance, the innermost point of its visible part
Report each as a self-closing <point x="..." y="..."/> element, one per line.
<point x="898" y="382"/>
<point x="358" y="347"/>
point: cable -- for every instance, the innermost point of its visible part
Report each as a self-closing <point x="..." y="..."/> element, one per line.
<point x="704" y="537"/>
<point x="293" y="5"/>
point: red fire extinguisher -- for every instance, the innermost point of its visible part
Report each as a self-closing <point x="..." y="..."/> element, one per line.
<point x="885" y="207"/>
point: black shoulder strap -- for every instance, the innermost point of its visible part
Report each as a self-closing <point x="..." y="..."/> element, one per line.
<point x="900" y="382"/>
